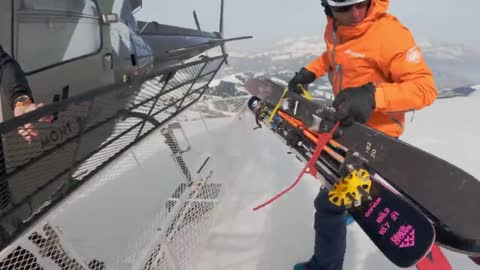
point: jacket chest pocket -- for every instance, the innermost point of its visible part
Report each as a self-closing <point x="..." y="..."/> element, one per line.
<point x="354" y="69"/>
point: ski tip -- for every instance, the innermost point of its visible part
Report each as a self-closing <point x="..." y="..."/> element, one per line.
<point x="253" y="103"/>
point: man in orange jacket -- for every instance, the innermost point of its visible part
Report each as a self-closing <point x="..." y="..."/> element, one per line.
<point x="377" y="73"/>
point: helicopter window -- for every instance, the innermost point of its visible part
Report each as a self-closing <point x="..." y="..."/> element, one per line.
<point x="71" y="6"/>
<point x="51" y="32"/>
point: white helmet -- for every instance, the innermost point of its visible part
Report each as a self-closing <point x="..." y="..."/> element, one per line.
<point x="341" y="3"/>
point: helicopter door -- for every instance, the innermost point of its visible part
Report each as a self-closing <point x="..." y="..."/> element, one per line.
<point x="59" y="44"/>
<point x="52" y="32"/>
<point x="6" y="26"/>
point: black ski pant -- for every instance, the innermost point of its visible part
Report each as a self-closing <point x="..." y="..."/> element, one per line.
<point x="330" y="234"/>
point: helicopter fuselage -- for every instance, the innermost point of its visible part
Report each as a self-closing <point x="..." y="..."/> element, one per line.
<point x="67" y="47"/>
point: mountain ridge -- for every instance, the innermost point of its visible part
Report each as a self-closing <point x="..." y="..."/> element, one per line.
<point x="452" y="64"/>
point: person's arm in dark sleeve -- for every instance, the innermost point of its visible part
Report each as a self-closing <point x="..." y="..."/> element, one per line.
<point x="14" y="82"/>
<point x="12" y="78"/>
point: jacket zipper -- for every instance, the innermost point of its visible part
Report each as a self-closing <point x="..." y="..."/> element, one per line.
<point x="337" y="72"/>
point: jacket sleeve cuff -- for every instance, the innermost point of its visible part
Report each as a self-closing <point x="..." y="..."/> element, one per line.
<point x="312" y="70"/>
<point x="380" y="104"/>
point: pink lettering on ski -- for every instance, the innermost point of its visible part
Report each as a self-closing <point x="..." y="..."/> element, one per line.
<point x="373" y="206"/>
<point x="409" y="241"/>
<point x="404" y="237"/>
<point x="382" y="215"/>
<point x="384" y="228"/>
<point x="394" y="215"/>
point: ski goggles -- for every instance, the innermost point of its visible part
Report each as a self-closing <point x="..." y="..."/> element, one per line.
<point x="348" y="8"/>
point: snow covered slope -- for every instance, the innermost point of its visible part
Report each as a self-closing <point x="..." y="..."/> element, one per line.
<point x="449" y="128"/>
<point x="281" y="234"/>
<point x="122" y="215"/>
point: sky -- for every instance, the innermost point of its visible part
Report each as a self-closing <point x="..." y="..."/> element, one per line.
<point x="273" y="20"/>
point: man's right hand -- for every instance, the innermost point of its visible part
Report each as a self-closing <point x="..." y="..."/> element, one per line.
<point x="328" y="122"/>
<point x="303" y="77"/>
<point x="28" y="131"/>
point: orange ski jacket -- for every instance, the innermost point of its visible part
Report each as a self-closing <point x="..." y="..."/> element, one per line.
<point x="382" y="51"/>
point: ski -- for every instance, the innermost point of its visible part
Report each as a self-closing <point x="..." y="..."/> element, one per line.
<point x="450" y="201"/>
<point x="399" y="230"/>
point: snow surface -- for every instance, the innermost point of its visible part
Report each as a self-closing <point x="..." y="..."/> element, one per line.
<point x="113" y="216"/>
<point x="278" y="236"/>
<point x="448" y="129"/>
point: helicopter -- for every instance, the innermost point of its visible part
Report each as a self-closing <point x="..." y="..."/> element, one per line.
<point x="67" y="47"/>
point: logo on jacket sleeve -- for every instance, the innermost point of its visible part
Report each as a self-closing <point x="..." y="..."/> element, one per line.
<point x="414" y="55"/>
<point x="355" y="54"/>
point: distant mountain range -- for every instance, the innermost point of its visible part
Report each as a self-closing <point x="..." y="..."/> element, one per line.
<point x="453" y="65"/>
<point x="227" y="96"/>
<point x="232" y="86"/>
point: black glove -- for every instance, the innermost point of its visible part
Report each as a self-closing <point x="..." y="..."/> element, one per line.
<point x="328" y="122"/>
<point x="304" y="76"/>
<point x="355" y="104"/>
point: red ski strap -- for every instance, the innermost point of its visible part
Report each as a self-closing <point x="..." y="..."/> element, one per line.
<point x="434" y="260"/>
<point x="309" y="167"/>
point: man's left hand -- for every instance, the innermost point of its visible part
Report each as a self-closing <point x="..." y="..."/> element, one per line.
<point x="355" y="104"/>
